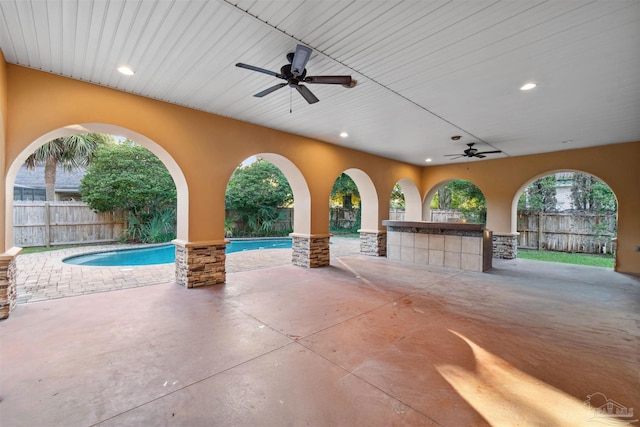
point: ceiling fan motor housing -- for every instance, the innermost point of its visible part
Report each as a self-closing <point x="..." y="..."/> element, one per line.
<point x="291" y="79"/>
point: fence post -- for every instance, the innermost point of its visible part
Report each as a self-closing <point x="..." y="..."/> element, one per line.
<point x="47" y="225"/>
<point x="540" y="230"/>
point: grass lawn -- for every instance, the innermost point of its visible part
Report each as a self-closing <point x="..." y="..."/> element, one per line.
<point x="568" y="258"/>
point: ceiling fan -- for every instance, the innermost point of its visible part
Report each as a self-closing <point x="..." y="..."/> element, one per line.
<point x="472" y="152"/>
<point x="295" y="73"/>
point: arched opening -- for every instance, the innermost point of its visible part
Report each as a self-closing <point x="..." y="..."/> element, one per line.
<point x="261" y="210"/>
<point x="301" y="194"/>
<point x="303" y="246"/>
<point x="117" y="278"/>
<point x="405" y="204"/>
<point x="182" y="207"/>
<point x="258" y="201"/>
<point x="566" y="216"/>
<point x="354" y="187"/>
<point x="455" y="200"/>
<point x="368" y="199"/>
<point x="365" y="220"/>
<point x="345" y="215"/>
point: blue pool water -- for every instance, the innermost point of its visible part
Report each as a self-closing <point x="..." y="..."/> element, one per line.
<point x="166" y="253"/>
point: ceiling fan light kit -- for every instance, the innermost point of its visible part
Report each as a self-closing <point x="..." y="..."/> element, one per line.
<point x="295" y="73"/>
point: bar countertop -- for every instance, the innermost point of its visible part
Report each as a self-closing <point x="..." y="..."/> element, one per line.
<point x="460" y="226"/>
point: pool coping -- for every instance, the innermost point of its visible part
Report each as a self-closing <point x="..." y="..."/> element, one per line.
<point x="105" y="250"/>
<point x="154" y="245"/>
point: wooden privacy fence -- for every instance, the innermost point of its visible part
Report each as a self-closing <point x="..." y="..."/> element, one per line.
<point x="343" y="219"/>
<point x="567" y="232"/>
<point x="583" y="232"/>
<point x="63" y="223"/>
<point x="445" y="215"/>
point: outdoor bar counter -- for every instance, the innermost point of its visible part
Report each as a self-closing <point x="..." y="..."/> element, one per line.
<point x="464" y="246"/>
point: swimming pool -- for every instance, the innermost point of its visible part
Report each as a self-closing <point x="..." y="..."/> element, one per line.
<point x="166" y="254"/>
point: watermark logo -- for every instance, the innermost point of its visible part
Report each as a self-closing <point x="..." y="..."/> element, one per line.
<point x="608" y="410"/>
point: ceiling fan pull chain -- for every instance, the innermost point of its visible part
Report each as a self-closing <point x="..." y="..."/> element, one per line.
<point x="290" y="101"/>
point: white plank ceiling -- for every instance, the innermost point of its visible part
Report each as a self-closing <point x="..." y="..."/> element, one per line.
<point x="426" y="70"/>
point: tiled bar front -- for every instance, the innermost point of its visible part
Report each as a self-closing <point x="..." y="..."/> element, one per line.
<point x="453" y="245"/>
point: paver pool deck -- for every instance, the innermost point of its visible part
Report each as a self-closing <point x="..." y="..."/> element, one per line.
<point x="43" y="276"/>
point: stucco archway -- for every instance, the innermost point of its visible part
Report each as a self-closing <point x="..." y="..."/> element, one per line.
<point x="426" y="207"/>
<point x="308" y="250"/>
<point x="373" y="240"/>
<point x="523" y="187"/>
<point x="516" y="196"/>
<point x="182" y="208"/>
<point x="413" y="204"/>
<point x="368" y="199"/>
<point x="426" y="202"/>
<point x="300" y="189"/>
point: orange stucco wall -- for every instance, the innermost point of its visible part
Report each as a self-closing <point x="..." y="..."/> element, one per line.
<point x="206" y="149"/>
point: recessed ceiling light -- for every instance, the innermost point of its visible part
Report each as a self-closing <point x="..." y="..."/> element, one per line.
<point x="568" y="141"/>
<point x="528" y="86"/>
<point x="344" y="134"/>
<point x="127" y="71"/>
<point x="456" y="137"/>
<point x="428" y="160"/>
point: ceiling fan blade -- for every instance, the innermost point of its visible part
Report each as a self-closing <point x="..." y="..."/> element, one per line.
<point x="489" y="152"/>
<point x="306" y="94"/>
<point x="451" y="155"/>
<point x="479" y="155"/>
<point x="300" y="59"/>
<point x="457" y="157"/>
<point x="269" y="90"/>
<point x="331" y="80"/>
<point x="260" y="70"/>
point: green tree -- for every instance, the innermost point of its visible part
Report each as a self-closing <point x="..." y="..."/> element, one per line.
<point x="539" y="196"/>
<point x="588" y="193"/>
<point x="71" y="152"/>
<point x="463" y="196"/>
<point x="257" y="193"/>
<point x="345" y="192"/>
<point x="397" y="197"/>
<point x="443" y="198"/>
<point x="345" y="215"/>
<point x="130" y="177"/>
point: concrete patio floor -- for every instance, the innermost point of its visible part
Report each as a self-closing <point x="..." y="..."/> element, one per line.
<point x="364" y="342"/>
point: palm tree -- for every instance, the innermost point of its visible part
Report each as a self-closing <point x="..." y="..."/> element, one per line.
<point x="71" y="152"/>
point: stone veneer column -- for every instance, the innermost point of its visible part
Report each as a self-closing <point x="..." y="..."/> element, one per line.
<point x="505" y="245"/>
<point x="200" y="263"/>
<point x="310" y="251"/>
<point x="373" y="242"/>
<point x="8" y="296"/>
